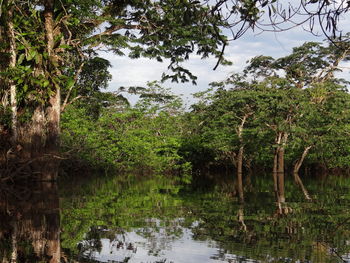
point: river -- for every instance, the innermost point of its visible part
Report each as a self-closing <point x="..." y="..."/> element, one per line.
<point x="138" y="219"/>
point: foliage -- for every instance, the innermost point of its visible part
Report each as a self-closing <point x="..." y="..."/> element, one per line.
<point x="138" y="138"/>
<point x="311" y="107"/>
<point x="155" y="29"/>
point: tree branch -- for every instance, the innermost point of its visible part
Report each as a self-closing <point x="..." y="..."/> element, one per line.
<point x="73" y="100"/>
<point x="65" y="103"/>
<point x="113" y="29"/>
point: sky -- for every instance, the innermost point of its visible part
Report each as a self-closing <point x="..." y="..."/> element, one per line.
<point x="137" y="72"/>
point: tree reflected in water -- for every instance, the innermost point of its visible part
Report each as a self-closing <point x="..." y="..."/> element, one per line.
<point x="30" y="223"/>
<point x="155" y="220"/>
<point x="149" y="221"/>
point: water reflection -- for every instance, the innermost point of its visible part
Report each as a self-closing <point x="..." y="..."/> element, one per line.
<point x="149" y="221"/>
<point x="29" y="223"/>
<point x="157" y="245"/>
<point x="153" y="220"/>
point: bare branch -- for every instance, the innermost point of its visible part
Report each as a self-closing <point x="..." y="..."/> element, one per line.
<point x="65" y="103"/>
<point x="73" y="100"/>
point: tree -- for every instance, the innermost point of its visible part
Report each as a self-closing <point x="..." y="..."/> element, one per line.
<point x="224" y="124"/>
<point x="287" y="107"/>
<point x="49" y="42"/>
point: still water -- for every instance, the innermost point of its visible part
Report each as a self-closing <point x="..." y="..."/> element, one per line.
<point x="153" y="220"/>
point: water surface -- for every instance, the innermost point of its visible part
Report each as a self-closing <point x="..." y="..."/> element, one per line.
<point x="153" y="220"/>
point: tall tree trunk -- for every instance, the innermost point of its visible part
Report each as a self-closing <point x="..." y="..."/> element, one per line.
<point x="275" y="166"/>
<point x="239" y="160"/>
<point x="296" y="169"/>
<point x="280" y="174"/>
<point x="274" y="174"/>
<point x="31" y="136"/>
<point x="280" y="168"/>
<point x="239" y="174"/>
<point x="53" y="111"/>
<point x="12" y="64"/>
<point x="7" y="35"/>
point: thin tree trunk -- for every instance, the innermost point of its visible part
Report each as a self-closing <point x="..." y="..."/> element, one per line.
<point x="278" y="167"/>
<point x="275" y="167"/>
<point x="240" y="216"/>
<point x="280" y="174"/>
<point x="14" y="253"/>
<point x="303" y="189"/>
<point x="274" y="173"/>
<point x="296" y="169"/>
<point x="1" y="2"/>
<point x="299" y="163"/>
<point x="12" y="64"/>
<point x="240" y="158"/>
<point x="239" y="174"/>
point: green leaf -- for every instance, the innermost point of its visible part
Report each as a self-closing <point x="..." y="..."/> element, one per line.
<point x="20" y="59"/>
<point x="65" y="46"/>
<point x="46" y="83"/>
<point x="31" y="54"/>
<point x="25" y="88"/>
<point x="70" y="83"/>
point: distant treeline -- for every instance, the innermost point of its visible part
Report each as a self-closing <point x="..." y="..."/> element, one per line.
<point x="278" y="113"/>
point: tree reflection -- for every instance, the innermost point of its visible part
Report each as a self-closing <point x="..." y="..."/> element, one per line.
<point x="30" y="223"/>
<point x="144" y="223"/>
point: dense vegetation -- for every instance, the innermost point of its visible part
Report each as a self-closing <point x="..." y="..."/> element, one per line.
<point x="276" y="116"/>
<point x="49" y="54"/>
<point x="145" y="138"/>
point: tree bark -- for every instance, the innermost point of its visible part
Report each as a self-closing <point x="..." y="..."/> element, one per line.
<point x="281" y="167"/>
<point x="239" y="175"/>
<point x="12" y="64"/>
<point x="54" y="110"/>
<point x="299" y="163"/>
<point x="239" y="160"/>
<point x="7" y="34"/>
<point x="280" y="174"/>
<point x="50" y="171"/>
<point x="278" y="166"/>
<point x="275" y="166"/>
